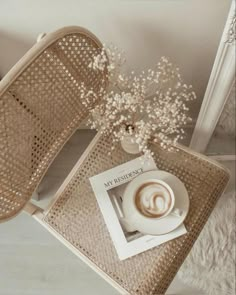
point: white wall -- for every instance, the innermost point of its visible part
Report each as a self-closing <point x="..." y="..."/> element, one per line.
<point x="188" y="31"/>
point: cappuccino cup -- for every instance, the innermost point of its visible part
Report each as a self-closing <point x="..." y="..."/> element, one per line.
<point x="146" y="202"/>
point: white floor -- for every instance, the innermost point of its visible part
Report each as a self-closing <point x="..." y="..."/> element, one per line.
<point x="32" y="261"/>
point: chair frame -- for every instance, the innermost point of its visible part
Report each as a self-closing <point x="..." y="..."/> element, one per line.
<point x="7" y="83"/>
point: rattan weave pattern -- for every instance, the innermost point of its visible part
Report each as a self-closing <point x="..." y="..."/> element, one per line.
<point x="40" y="107"/>
<point x="76" y="217"/>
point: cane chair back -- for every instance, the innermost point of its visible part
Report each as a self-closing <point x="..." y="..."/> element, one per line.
<point x="40" y="108"/>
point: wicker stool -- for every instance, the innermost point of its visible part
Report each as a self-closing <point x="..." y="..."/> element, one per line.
<point x="39" y="111"/>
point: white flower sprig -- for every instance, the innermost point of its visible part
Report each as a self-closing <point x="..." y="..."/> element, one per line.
<point x="151" y="106"/>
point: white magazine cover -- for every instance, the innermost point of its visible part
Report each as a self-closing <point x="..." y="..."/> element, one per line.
<point x="108" y="188"/>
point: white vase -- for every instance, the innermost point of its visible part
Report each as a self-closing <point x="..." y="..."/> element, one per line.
<point x="129" y="145"/>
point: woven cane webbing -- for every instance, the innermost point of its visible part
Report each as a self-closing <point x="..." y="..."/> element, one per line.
<point x="40" y="108"/>
<point x="76" y="217"/>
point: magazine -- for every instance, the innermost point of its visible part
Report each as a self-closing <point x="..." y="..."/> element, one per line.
<point x="108" y="188"/>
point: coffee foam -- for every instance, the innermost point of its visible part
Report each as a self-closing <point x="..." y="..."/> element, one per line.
<point x="153" y="199"/>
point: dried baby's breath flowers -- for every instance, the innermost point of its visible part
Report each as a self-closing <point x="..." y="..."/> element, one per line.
<point x="149" y="107"/>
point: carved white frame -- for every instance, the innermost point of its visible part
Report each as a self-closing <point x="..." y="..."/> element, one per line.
<point x="219" y="87"/>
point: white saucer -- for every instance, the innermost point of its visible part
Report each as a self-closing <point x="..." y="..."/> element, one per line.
<point x="165" y="224"/>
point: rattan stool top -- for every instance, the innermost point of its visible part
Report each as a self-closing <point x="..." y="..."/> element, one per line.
<point x="75" y="218"/>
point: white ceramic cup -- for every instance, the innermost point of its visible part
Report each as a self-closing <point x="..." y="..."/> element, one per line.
<point x="147" y="193"/>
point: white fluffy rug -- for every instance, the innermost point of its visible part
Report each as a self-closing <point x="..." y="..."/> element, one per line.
<point x="210" y="265"/>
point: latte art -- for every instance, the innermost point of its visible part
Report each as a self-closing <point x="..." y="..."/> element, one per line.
<point x="153" y="199"/>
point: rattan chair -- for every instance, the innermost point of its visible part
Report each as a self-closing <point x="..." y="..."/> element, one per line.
<point x="40" y="108"/>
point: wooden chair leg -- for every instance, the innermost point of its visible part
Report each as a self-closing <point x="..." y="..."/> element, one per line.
<point x="36" y="196"/>
<point x="30" y="208"/>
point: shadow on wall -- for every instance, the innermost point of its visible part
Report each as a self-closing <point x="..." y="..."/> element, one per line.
<point x="12" y="48"/>
<point x="153" y="42"/>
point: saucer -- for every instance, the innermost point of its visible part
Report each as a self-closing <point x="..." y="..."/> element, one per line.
<point x="165" y="224"/>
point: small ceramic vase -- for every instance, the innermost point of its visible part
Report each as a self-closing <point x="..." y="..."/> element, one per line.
<point x="129" y="145"/>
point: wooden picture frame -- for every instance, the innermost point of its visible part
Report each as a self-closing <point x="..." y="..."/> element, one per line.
<point x="219" y="87"/>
